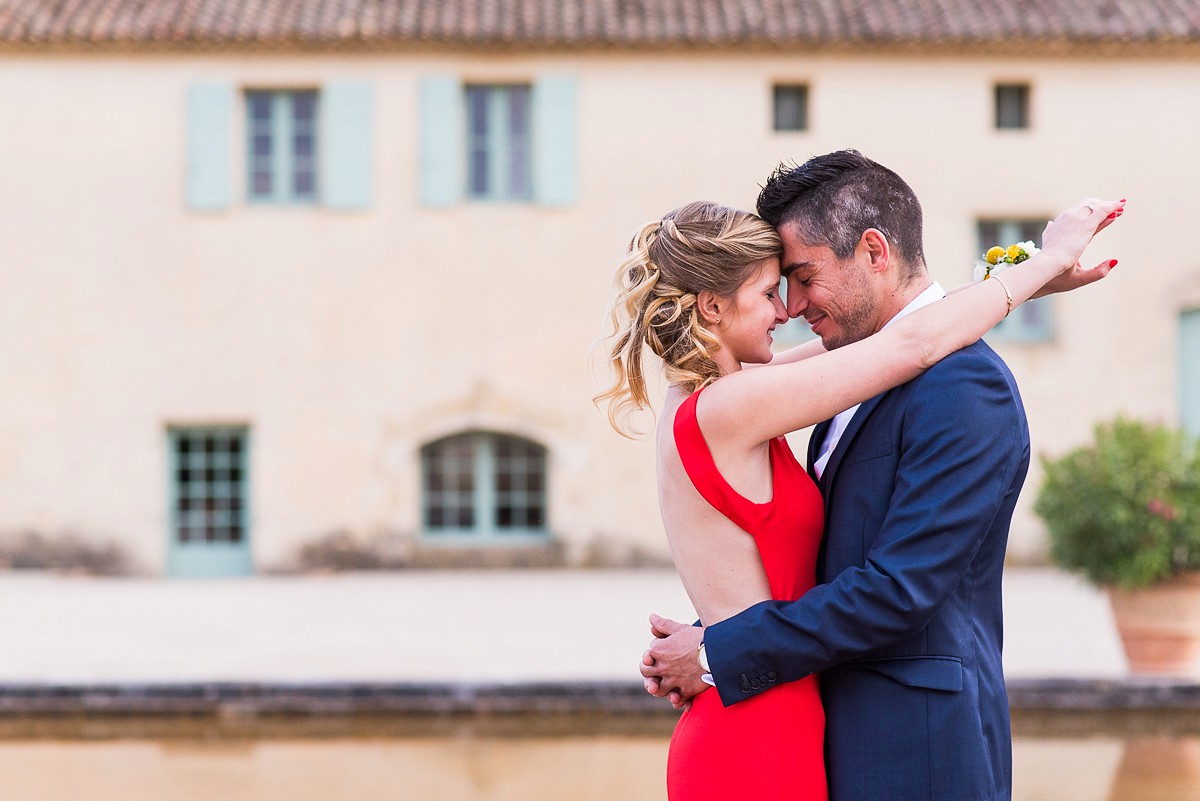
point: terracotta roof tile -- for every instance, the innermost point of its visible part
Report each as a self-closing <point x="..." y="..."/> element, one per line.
<point x="559" y="23"/>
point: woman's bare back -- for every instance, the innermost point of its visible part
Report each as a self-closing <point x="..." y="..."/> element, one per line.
<point x="718" y="562"/>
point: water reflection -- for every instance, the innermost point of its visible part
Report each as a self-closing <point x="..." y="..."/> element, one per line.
<point x="1159" y="768"/>
<point x="1151" y="757"/>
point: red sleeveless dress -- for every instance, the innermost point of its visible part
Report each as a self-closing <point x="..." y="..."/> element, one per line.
<point x="770" y="747"/>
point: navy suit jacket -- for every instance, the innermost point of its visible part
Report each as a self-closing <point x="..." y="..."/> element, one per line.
<point x="906" y="628"/>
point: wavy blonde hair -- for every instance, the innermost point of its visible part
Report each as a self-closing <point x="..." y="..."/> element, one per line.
<point x="696" y="248"/>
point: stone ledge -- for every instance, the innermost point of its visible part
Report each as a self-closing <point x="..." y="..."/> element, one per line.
<point x="572" y="697"/>
<point x="1130" y="693"/>
<point x="325" y="698"/>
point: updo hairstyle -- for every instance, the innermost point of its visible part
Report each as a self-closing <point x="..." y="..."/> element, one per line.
<point x="698" y="247"/>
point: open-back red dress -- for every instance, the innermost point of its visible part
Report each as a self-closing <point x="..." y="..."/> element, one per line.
<point x="769" y="747"/>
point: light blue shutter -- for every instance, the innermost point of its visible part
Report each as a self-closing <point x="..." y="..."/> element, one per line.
<point x="347" y="145"/>
<point x="443" y="140"/>
<point x="1189" y="371"/>
<point x="209" y="131"/>
<point x="555" y="140"/>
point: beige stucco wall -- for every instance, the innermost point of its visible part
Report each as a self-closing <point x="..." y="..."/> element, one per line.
<point x="346" y="340"/>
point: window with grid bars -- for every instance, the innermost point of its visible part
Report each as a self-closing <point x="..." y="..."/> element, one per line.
<point x="1031" y="321"/>
<point x="281" y="127"/>
<point x="484" y="484"/>
<point x="499" y="159"/>
<point x="209" y="485"/>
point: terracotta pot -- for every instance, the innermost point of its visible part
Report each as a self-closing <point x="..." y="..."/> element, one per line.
<point x="1160" y="626"/>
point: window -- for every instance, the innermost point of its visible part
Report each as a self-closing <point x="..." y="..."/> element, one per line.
<point x="282" y="146"/>
<point x="793" y="332"/>
<point x="508" y="142"/>
<point x="209" y="485"/>
<point x="1189" y="371"/>
<point x="1029" y="322"/>
<point x="791" y="107"/>
<point x="1012" y="105"/>
<point x="287" y="135"/>
<point x="498" y="143"/>
<point x="209" y="515"/>
<point x="484" y="485"/>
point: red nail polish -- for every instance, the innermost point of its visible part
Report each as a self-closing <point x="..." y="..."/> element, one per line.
<point x="1112" y="263"/>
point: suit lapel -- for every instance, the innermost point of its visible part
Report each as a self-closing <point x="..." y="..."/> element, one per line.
<point x="825" y="481"/>
<point x="814" y="445"/>
<point x="835" y="458"/>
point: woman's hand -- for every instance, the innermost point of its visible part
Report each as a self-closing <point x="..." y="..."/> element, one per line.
<point x="1068" y="234"/>
<point x="1075" y="277"/>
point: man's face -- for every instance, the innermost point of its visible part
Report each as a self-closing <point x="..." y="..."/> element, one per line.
<point x="836" y="297"/>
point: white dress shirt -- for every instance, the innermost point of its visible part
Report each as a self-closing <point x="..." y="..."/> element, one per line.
<point x="932" y="293"/>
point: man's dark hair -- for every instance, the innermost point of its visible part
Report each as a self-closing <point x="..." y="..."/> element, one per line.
<point x="832" y="199"/>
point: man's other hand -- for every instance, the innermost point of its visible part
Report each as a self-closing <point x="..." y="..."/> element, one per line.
<point x="671" y="665"/>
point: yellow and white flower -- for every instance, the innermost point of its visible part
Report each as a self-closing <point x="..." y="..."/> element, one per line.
<point x="998" y="259"/>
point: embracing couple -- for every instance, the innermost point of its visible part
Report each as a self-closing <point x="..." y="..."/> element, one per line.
<point x="850" y="619"/>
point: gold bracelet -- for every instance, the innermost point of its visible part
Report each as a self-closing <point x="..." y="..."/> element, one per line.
<point x="1007" y="294"/>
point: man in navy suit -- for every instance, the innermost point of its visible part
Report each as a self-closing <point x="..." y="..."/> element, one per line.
<point x="919" y="485"/>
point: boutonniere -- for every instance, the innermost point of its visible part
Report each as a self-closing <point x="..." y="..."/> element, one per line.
<point x="998" y="259"/>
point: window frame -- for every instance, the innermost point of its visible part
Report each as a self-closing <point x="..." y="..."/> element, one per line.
<point x="486" y="497"/>
<point x="1018" y="327"/>
<point x="283" y="161"/>
<point x="503" y="146"/>
<point x="230" y="489"/>
<point x="1189" y="371"/>
<point x="795" y="331"/>
<point x="1022" y="101"/>
<point x="202" y="557"/>
<point x="804" y="93"/>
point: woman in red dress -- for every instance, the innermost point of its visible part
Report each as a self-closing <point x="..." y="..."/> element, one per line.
<point x="743" y="519"/>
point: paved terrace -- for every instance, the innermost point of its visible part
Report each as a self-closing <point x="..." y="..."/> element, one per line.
<point x="439" y="627"/>
<point x="540" y="641"/>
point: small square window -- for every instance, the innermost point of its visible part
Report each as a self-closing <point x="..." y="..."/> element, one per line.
<point x="1012" y="105"/>
<point x="791" y="107"/>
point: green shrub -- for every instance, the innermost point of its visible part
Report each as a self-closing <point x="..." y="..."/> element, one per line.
<point x="1125" y="510"/>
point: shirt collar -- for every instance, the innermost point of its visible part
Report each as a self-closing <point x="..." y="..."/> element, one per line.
<point x="932" y="293"/>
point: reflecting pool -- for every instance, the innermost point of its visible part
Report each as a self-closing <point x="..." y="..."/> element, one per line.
<point x="1128" y="757"/>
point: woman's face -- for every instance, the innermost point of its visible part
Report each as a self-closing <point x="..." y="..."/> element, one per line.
<point x="756" y="310"/>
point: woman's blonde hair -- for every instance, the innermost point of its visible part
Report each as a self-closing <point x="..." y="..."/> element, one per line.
<point x="698" y="247"/>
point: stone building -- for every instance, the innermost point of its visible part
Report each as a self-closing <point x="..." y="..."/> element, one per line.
<point x="288" y="275"/>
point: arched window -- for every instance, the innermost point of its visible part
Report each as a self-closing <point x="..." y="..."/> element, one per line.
<point x="484" y="485"/>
